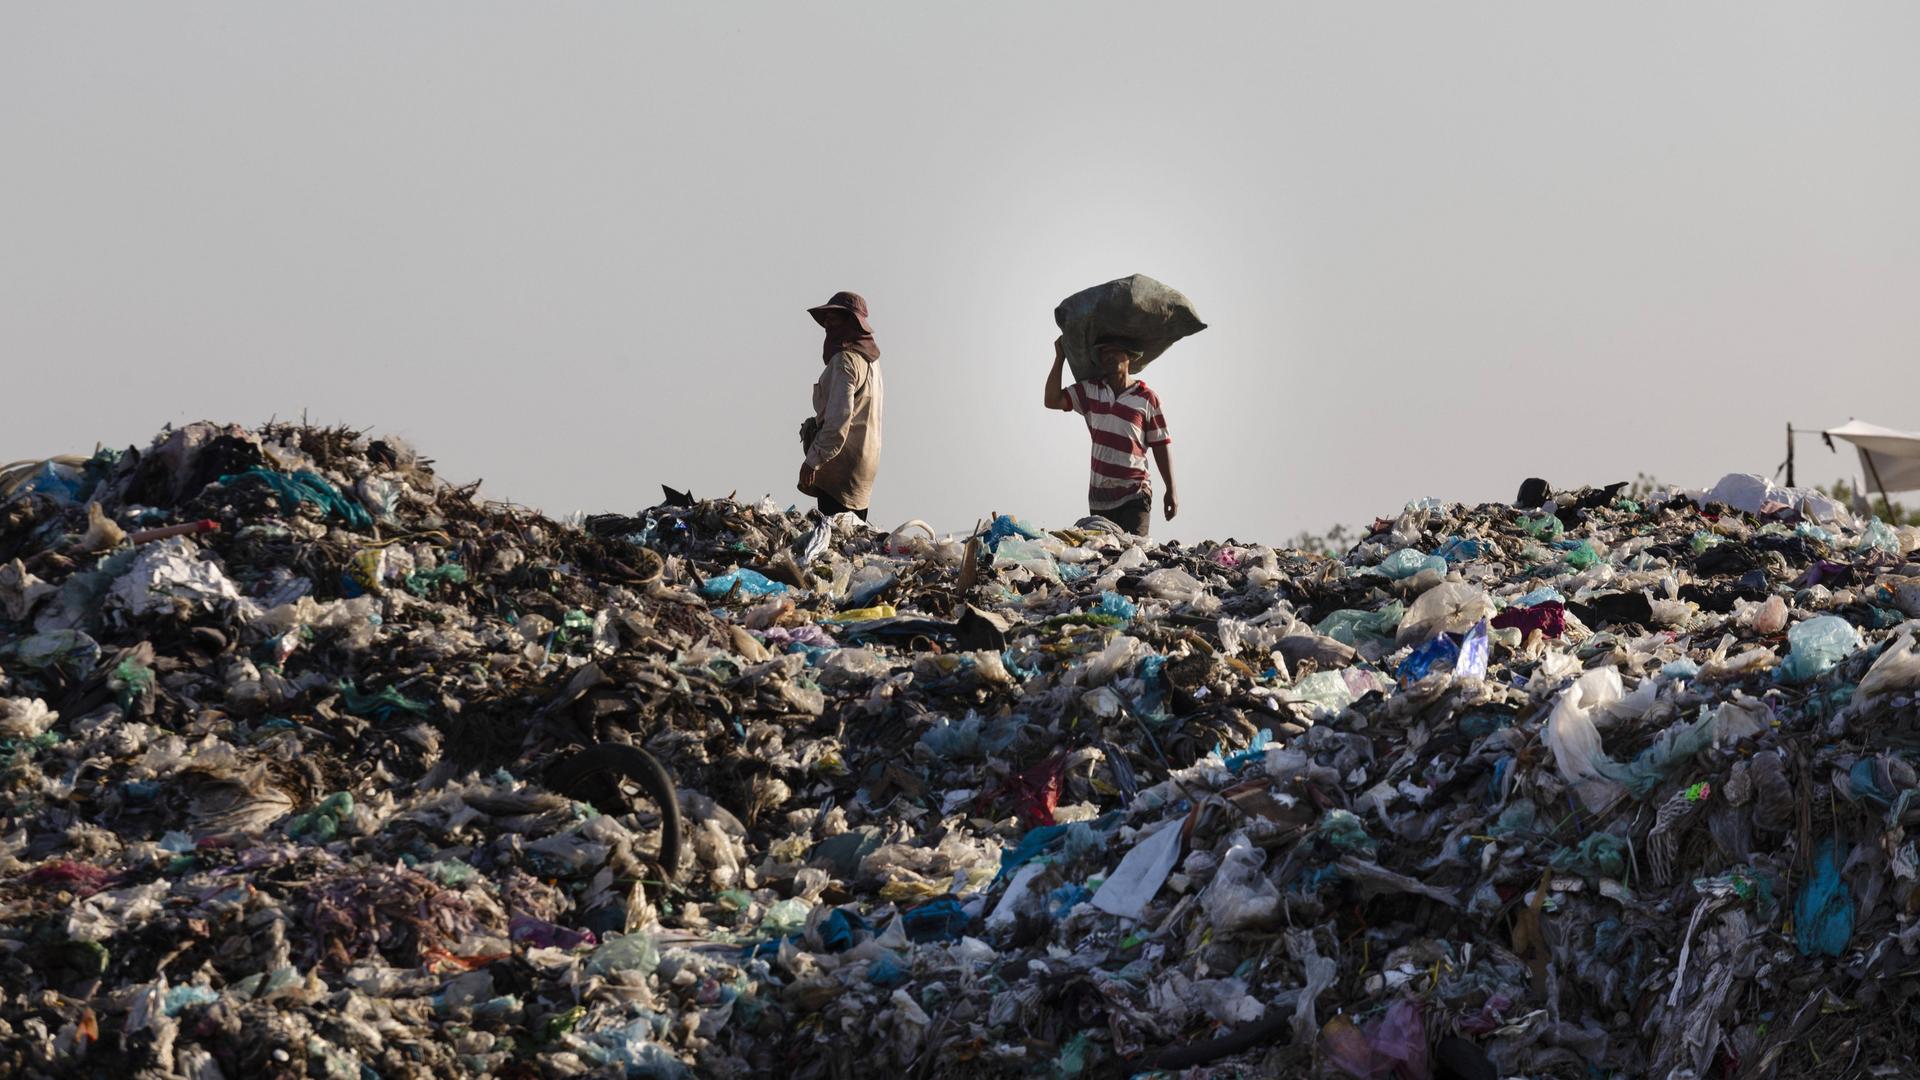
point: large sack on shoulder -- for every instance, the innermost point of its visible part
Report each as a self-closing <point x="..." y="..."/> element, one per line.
<point x="1152" y="315"/>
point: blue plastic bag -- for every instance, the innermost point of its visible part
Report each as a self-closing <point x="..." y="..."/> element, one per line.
<point x="1255" y="751"/>
<point x="1545" y="594"/>
<point x="1474" y="648"/>
<point x="1407" y="562"/>
<point x="886" y="971"/>
<point x="1465" y="655"/>
<point x="1818" y="646"/>
<point x="751" y="583"/>
<point x="307" y="486"/>
<point x="937" y="920"/>
<point x="1458" y="549"/>
<point x="1036" y="843"/>
<point x="1004" y="527"/>
<point x="1823" y="913"/>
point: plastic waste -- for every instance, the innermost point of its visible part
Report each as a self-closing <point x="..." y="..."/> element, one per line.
<point x="1407" y="562"/>
<point x="1173" y="584"/>
<point x="1896" y="670"/>
<point x="1461" y="655"/>
<point x="1142" y="871"/>
<point x="1764" y="617"/>
<point x="1240" y="897"/>
<point x="1817" y="647"/>
<point x="1448" y="608"/>
<point x="1354" y="627"/>
<point x="1878" y="536"/>
<point x="745" y="582"/>
<point x="1009" y="825"/>
<point x="1823" y="912"/>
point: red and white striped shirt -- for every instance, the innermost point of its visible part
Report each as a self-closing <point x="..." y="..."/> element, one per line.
<point x="1123" y="426"/>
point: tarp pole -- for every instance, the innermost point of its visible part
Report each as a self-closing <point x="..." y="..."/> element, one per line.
<point x="1867" y="456"/>
<point x="1789" y="453"/>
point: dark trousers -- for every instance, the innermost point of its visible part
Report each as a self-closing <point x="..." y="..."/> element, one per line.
<point x="830" y="506"/>
<point x="1135" y="516"/>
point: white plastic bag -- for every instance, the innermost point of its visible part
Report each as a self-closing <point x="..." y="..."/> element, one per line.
<point x="1240" y="897"/>
<point x="1452" y="607"/>
<point x="1575" y="743"/>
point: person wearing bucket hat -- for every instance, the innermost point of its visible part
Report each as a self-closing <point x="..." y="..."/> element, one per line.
<point x="842" y="437"/>
<point x="1124" y="420"/>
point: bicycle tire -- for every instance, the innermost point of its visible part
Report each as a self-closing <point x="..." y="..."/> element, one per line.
<point x="575" y="774"/>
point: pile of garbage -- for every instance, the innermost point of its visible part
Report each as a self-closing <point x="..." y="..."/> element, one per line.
<point x="292" y="736"/>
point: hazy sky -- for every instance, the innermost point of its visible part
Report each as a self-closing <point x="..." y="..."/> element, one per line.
<point x="567" y="247"/>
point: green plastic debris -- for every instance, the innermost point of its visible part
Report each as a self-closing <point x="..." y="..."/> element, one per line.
<point x="449" y="872"/>
<point x="1544" y="527"/>
<point x="422" y="582"/>
<point x="307" y="486"/>
<point x="1407" y="562"/>
<point x="1599" y="855"/>
<point x="1073" y="1056"/>
<point x="86" y="957"/>
<point x="560" y="1023"/>
<point x="130" y="681"/>
<point x="381" y="706"/>
<point x="1582" y="555"/>
<point x="1353" y="627"/>
<point x="322" y="823"/>
<point x="786" y="917"/>
<point x="628" y="952"/>
<point x="1345" y="831"/>
<point x="1326" y="689"/>
<point x="1518" y="816"/>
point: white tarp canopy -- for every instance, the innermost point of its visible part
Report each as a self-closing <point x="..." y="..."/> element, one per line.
<point x="1888" y="458"/>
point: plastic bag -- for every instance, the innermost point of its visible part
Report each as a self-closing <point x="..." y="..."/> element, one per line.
<point x="1451" y="607"/>
<point x="1029" y="555"/>
<point x="1173" y="584"/>
<point x="1141" y="872"/>
<point x="1407" y="562"/>
<point x="1352" y="627"/>
<point x="1240" y="897"/>
<point x="1393" y="1046"/>
<point x="1464" y="656"/>
<point x="1149" y="314"/>
<point x="750" y="583"/>
<point x="1896" y="669"/>
<point x="1818" y="646"/>
<point x="1326" y="691"/>
<point x="1823" y="912"/>
<point x="1575" y="742"/>
<point x="1115" y="660"/>
<point x="854" y="668"/>
<point x="1878" y="536"/>
<point x="1766" y="617"/>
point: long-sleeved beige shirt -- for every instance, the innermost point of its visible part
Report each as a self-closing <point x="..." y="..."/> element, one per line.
<point x="847" y="400"/>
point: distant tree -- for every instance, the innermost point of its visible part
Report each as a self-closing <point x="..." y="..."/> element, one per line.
<point x="1333" y="543"/>
<point x="1644" y="485"/>
<point x="1893" y="513"/>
